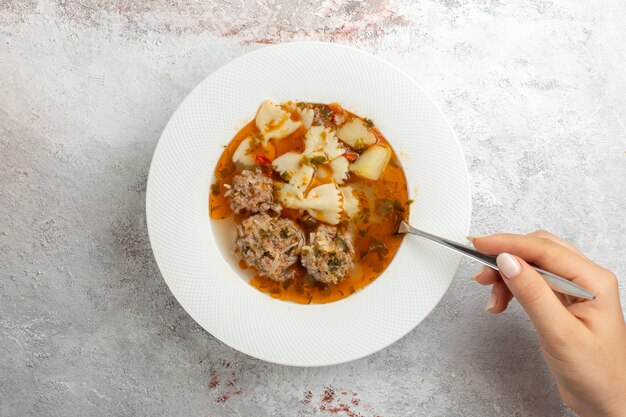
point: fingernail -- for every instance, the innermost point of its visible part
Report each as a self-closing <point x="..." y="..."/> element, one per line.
<point x="509" y="265"/>
<point x="472" y="237"/>
<point x="480" y="271"/>
<point x="491" y="303"/>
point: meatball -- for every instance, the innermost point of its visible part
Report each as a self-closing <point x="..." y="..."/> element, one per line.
<point x="252" y="192"/>
<point x="329" y="255"/>
<point x="269" y="244"/>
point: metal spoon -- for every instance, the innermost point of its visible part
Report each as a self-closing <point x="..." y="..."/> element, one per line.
<point x="556" y="282"/>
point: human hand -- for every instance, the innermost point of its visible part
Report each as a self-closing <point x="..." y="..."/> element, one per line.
<point x="583" y="341"/>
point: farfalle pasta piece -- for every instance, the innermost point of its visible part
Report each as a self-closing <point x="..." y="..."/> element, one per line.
<point x="321" y="139"/>
<point x="351" y="203"/>
<point x="289" y="166"/>
<point x="324" y="203"/>
<point x="340" y="167"/>
<point x="274" y="122"/>
<point x="288" y="196"/>
<point x="243" y="154"/>
<point x="307" y="116"/>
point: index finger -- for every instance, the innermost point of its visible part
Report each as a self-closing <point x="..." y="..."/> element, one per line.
<point x="547" y="254"/>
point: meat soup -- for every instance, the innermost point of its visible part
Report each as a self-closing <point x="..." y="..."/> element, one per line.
<point x="316" y="194"/>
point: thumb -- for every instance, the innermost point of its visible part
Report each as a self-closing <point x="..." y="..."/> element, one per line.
<point x="545" y="310"/>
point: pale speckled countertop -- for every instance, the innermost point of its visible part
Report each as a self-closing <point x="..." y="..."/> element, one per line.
<point x="534" y="89"/>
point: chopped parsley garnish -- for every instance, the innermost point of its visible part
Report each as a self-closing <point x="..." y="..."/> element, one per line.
<point x="363" y="216"/>
<point x="263" y="233"/>
<point x="388" y="206"/>
<point x="379" y="248"/>
<point x="215" y="188"/>
<point x="286" y="176"/>
<point x="284" y="233"/>
<point x="342" y="244"/>
<point x="333" y="263"/>
<point x="409" y="202"/>
<point x="368" y="122"/>
<point x="314" y="161"/>
<point x="363" y="232"/>
<point x="359" y="143"/>
<point x="325" y="112"/>
<point x="376" y="245"/>
<point x="301" y="104"/>
<point x="256" y="141"/>
<point x="319" y="159"/>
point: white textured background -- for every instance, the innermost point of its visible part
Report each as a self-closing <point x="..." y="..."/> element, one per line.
<point x="535" y="90"/>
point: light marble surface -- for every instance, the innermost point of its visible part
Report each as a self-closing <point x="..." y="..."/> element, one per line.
<point x="534" y="90"/>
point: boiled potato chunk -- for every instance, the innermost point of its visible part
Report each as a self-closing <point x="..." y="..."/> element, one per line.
<point x="356" y="134"/>
<point x="372" y="162"/>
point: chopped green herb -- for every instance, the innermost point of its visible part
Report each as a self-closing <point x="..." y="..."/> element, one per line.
<point x="363" y="216"/>
<point x="325" y="112"/>
<point x="301" y="104"/>
<point x="286" y="176"/>
<point x="333" y="263"/>
<point x="319" y="159"/>
<point x="215" y="188"/>
<point x="263" y="233"/>
<point x="388" y="206"/>
<point x="288" y="251"/>
<point x="314" y="161"/>
<point x="409" y="202"/>
<point x="363" y="232"/>
<point x="316" y="252"/>
<point x="284" y="233"/>
<point x="368" y="122"/>
<point x="342" y="244"/>
<point x="255" y="141"/>
<point x="359" y="143"/>
<point x="376" y="245"/>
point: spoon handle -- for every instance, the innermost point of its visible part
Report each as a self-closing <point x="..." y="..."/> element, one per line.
<point x="556" y="282"/>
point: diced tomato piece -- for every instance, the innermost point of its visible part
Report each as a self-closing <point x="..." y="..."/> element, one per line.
<point x="351" y="156"/>
<point x="336" y="108"/>
<point x="262" y="160"/>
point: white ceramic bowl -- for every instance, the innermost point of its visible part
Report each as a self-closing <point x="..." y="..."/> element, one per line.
<point x="214" y="293"/>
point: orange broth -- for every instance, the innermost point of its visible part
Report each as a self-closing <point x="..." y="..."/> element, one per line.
<point x="374" y="230"/>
